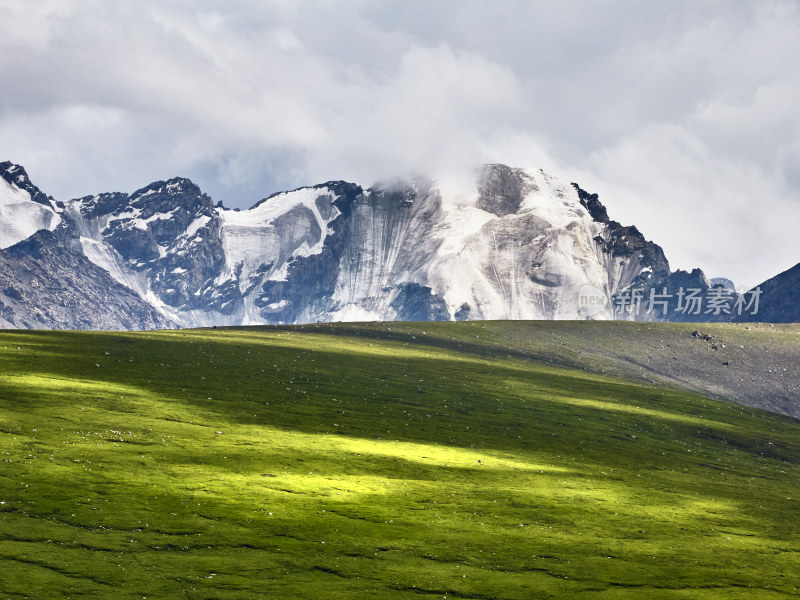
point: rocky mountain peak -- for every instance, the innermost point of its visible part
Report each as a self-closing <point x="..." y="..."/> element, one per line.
<point x="17" y="175"/>
<point x="175" y="195"/>
<point x="501" y="189"/>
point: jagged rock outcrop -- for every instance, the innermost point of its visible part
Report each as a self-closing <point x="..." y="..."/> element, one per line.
<point x="47" y="283"/>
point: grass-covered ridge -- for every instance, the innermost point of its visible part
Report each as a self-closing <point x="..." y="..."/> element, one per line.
<point x="385" y="461"/>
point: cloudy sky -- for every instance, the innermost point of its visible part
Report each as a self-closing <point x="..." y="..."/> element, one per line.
<point x="681" y="114"/>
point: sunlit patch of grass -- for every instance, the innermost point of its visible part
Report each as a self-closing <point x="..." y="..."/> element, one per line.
<point x="389" y="461"/>
<point x="644" y="412"/>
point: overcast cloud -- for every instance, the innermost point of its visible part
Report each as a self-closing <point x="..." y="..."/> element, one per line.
<point x="681" y="114"/>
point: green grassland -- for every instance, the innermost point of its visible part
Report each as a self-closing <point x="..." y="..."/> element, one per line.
<point x="448" y="460"/>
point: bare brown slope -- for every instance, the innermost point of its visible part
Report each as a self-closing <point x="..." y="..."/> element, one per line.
<point x="751" y="364"/>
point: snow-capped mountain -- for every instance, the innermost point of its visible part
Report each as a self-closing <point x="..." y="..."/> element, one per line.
<point x="505" y="244"/>
<point x="24" y="209"/>
<point x="46" y="281"/>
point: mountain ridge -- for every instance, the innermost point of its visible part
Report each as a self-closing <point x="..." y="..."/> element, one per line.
<point x="517" y="244"/>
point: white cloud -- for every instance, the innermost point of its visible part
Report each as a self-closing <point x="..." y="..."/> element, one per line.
<point x="434" y="113"/>
<point x="720" y="213"/>
<point x="681" y="114"/>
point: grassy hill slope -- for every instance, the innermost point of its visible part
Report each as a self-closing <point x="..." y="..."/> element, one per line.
<point x="754" y="364"/>
<point x="458" y="460"/>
